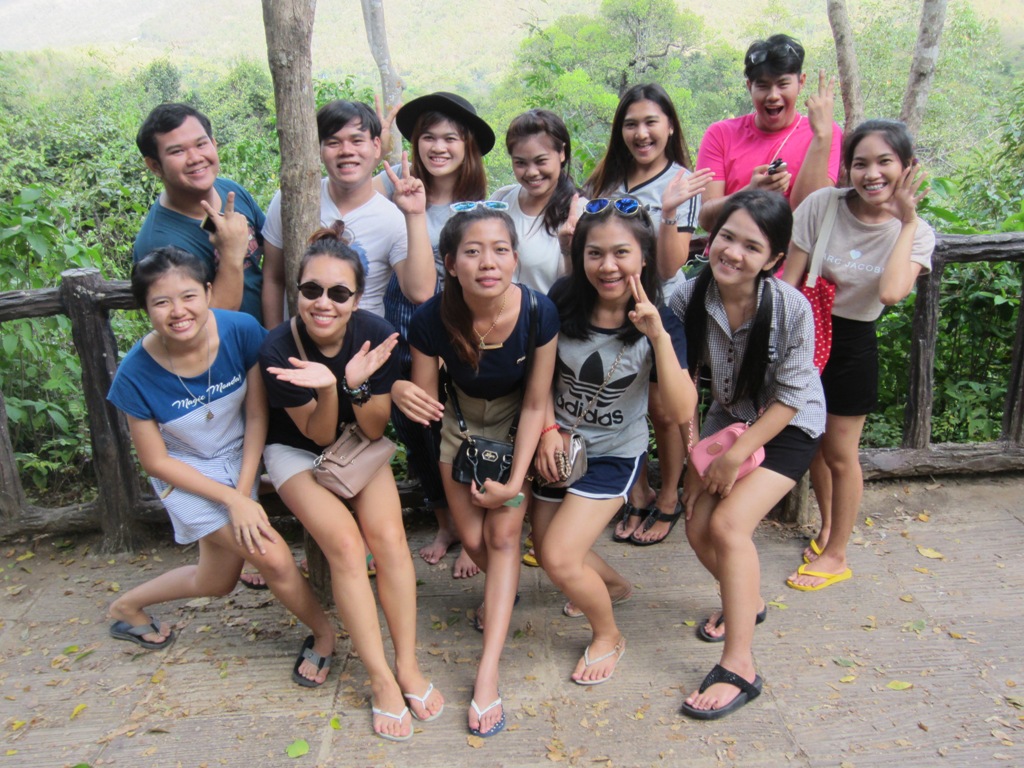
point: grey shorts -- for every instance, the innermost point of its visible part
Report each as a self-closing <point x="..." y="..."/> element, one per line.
<point x="284" y="462"/>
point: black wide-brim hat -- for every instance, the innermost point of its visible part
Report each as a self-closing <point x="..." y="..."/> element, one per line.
<point x="453" y="106"/>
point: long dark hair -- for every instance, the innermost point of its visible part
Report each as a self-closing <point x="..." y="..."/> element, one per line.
<point x="613" y="168"/>
<point x="771" y="212"/>
<point x="471" y="180"/>
<point x="545" y="122"/>
<point x="455" y="313"/>
<point x="574" y="295"/>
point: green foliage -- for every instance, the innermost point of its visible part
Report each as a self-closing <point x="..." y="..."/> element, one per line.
<point x="580" y="65"/>
<point x="40" y="373"/>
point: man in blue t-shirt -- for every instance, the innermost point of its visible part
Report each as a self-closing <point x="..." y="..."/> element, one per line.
<point x="176" y="142"/>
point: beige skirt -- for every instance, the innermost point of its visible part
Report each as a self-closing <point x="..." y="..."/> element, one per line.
<point x="487" y="418"/>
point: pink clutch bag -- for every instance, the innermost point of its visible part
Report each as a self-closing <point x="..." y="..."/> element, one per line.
<point x="713" y="446"/>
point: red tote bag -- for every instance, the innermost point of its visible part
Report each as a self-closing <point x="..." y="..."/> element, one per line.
<point x="821" y="293"/>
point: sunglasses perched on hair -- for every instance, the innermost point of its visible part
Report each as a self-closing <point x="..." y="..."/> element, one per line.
<point x="339" y="294"/>
<point x="624" y="206"/>
<point x="776" y="52"/>
<point x="471" y="205"/>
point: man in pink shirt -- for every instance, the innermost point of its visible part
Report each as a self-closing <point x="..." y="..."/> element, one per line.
<point x="775" y="147"/>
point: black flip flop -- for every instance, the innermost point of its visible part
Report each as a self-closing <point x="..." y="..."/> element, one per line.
<point x="122" y="630"/>
<point x="306" y="653"/>
<point x="247" y="585"/>
<point x="703" y="633"/>
<point x="657" y="516"/>
<point x="719" y="674"/>
<point x="628" y="511"/>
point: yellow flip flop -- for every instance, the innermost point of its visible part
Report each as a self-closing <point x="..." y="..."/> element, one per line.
<point x="816" y="549"/>
<point x="830" y="579"/>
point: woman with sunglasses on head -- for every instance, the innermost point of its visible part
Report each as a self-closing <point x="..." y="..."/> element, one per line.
<point x="448" y="142"/>
<point x="612" y="345"/>
<point x="198" y="419"/>
<point x="332" y="364"/>
<point x="647" y="159"/>
<point x="544" y="202"/>
<point x="755" y="334"/>
<point x="481" y="328"/>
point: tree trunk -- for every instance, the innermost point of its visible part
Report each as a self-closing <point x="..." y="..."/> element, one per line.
<point x="846" y="60"/>
<point x="391" y="84"/>
<point x="289" y="28"/>
<point x="922" y="68"/>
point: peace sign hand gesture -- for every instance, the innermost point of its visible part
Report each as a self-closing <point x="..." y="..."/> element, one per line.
<point x="410" y="195"/>
<point x="644" y="315"/>
<point x="820" y="107"/>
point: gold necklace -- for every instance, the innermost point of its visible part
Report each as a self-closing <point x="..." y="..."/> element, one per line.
<point x="206" y="399"/>
<point x="483" y="339"/>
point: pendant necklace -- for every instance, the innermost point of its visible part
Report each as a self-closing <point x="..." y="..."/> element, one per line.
<point x="205" y="400"/>
<point x="483" y="339"/>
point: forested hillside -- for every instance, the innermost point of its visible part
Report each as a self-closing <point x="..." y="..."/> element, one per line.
<point x="73" y="189"/>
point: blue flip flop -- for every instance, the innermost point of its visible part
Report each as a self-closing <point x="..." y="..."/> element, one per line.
<point x="497" y="728"/>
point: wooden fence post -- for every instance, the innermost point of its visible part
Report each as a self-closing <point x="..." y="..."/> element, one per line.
<point x="917" y="419"/>
<point x="12" y="495"/>
<point x="1013" y="411"/>
<point x="116" y="475"/>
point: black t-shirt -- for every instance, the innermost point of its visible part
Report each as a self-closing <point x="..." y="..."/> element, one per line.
<point x="279" y="346"/>
<point x="501" y="370"/>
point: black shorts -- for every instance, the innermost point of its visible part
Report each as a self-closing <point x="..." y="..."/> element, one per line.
<point x="850" y="378"/>
<point x="790" y="452"/>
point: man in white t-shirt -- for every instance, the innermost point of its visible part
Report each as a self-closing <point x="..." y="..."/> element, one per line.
<point x="350" y="149"/>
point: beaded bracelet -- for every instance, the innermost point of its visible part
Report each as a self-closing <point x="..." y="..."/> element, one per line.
<point x="359" y="395"/>
<point x="550" y="428"/>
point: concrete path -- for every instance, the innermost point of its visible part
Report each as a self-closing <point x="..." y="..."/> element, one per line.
<point x="946" y="629"/>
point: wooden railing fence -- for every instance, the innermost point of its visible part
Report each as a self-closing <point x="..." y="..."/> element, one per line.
<point x="122" y="513"/>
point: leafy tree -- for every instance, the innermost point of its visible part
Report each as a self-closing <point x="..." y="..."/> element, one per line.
<point x="579" y="66"/>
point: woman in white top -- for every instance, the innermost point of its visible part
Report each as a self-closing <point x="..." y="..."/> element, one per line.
<point x="544" y="202"/>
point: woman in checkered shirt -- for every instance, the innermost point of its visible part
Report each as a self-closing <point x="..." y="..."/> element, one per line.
<point x="754" y="335"/>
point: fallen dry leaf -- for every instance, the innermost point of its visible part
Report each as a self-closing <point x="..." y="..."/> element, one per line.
<point x="930" y="553"/>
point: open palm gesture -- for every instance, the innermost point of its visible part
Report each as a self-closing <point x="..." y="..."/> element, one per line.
<point x="367" y="362"/>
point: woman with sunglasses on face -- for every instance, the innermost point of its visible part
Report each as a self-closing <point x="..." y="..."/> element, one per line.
<point x="343" y="372"/>
<point x="198" y="417"/>
<point x="480" y="327"/>
<point x="448" y="142"/>
<point x="647" y="159"/>
<point x="612" y="345"/>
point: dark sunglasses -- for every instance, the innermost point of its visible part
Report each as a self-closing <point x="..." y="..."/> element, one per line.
<point x="624" y="206"/>
<point x="339" y="294"/>
<point x="776" y="52"/>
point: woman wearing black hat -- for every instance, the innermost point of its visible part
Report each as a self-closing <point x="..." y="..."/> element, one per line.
<point x="448" y="141"/>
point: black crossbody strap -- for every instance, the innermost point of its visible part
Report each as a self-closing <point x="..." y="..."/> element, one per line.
<point x="531" y="345"/>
